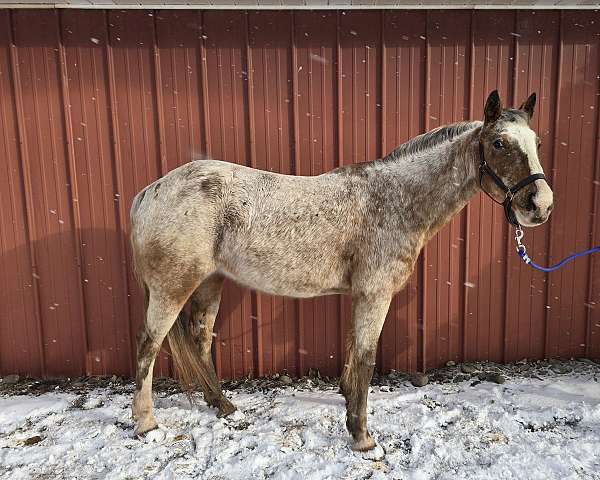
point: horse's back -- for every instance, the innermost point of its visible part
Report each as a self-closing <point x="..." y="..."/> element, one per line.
<point x="279" y="233"/>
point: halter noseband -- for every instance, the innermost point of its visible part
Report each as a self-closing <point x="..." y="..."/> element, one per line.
<point x="484" y="168"/>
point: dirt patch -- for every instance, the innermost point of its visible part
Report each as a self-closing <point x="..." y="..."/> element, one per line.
<point x="477" y="372"/>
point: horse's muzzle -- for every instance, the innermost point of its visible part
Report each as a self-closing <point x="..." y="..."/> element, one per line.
<point x="538" y="206"/>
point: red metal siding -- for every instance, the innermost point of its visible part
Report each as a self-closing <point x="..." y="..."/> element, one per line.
<point x="94" y="105"/>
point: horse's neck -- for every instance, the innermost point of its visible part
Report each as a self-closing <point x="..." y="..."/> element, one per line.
<point x="440" y="181"/>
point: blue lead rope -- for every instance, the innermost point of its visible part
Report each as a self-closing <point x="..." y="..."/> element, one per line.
<point x="529" y="261"/>
<point x="522" y="251"/>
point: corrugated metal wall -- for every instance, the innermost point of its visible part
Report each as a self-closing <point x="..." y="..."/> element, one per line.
<point x="95" y="105"/>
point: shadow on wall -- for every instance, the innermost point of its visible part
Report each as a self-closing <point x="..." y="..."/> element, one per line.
<point x="74" y="311"/>
<point x="78" y="310"/>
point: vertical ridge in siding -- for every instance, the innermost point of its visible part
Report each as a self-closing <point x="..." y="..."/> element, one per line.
<point x="71" y="176"/>
<point x="20" y="335"/>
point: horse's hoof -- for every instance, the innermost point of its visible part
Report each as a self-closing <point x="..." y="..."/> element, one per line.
<point x="144" y="426"/>
<point x="375" y="454"/>
<point x="364" y="444"/>
<point x="226" y="408"/>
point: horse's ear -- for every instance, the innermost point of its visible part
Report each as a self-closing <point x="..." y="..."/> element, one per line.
<point x="493" y="107"/>
<point x="529" y="105"/>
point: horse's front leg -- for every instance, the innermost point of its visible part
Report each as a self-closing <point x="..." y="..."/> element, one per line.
<point x="368" y="314"/>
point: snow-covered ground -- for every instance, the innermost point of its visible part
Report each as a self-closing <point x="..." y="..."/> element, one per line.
<point x="523" y="429"/>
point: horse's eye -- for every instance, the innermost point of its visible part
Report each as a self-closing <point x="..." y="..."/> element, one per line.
<point x="498" y="145"/>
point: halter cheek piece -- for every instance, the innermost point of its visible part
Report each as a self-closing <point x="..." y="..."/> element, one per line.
<point x="484" y="168"/>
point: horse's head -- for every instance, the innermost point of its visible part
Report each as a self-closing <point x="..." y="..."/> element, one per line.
<point x="510" y="168"/>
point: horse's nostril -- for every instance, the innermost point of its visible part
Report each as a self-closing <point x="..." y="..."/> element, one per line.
<point x="530" y="202"/>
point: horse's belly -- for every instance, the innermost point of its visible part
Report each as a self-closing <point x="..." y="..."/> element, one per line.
<point x="296" y="256"/>
<point x="299" y="284"/>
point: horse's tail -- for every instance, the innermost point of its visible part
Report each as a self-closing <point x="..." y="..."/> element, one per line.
<point x="186" y="354"/>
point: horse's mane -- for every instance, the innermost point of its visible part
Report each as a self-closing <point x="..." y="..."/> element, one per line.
<point x="431" y="139"/>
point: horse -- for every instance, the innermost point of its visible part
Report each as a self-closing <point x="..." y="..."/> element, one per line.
<point x="356" y="230"/>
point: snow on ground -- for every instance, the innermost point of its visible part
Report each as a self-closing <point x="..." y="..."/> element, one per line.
<point x="524" y="429"/>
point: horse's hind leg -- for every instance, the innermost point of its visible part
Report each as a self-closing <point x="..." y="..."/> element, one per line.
<point x="161" y="314"/>
<point x="368" y="316"/>
<point x="205" y="305"/>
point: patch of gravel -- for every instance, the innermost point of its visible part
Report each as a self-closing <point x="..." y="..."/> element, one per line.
<point x="475" y="372"/>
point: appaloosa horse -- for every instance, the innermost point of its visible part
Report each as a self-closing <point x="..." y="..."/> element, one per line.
<point x="356" y="230"/>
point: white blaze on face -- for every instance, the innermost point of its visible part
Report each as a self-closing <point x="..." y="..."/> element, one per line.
<point x="527" y="141"/>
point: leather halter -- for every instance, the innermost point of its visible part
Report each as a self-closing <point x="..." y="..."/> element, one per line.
<point x="510" y="193"/>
